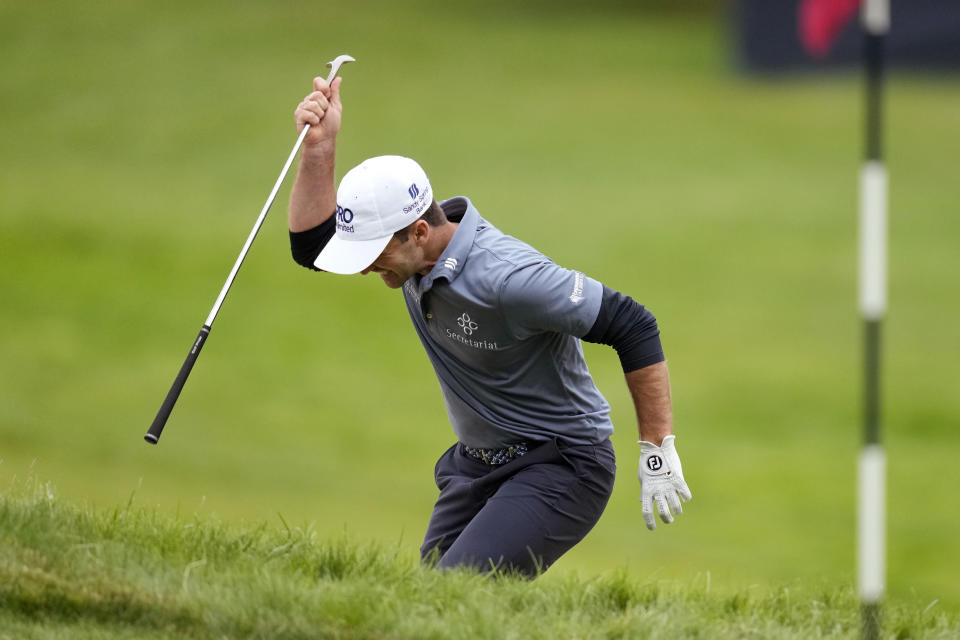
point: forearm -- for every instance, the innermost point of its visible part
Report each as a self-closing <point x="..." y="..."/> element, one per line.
<point x="650" y="390"/>
<point x="313" y="198"/>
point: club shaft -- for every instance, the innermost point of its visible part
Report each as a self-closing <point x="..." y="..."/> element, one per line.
<point x="256" y="229"/>
<point x="263" y="215"/>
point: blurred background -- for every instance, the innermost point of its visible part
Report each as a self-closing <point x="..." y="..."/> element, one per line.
<point x="699" y="156"/>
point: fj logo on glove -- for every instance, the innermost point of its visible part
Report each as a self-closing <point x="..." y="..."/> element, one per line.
<point x="654" y="463"/>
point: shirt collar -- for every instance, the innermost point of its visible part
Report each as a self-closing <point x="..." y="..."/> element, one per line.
<point x="451" y="261"/>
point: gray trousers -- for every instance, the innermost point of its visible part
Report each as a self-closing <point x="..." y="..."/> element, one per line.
<point x="520" y="516"/>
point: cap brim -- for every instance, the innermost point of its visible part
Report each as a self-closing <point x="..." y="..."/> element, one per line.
<point x="349" y="256"/>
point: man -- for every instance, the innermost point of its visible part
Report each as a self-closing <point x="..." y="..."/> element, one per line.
<point x="533" y="466"/>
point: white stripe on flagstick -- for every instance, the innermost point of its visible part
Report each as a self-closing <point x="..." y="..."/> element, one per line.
<point x="873" y="240"/>
<point x="876" y="16"/>
<point x="871" y="523"/>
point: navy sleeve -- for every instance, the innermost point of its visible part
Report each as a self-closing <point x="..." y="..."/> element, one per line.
<point x="307" y="245"/>
<point x="628" y="327"/>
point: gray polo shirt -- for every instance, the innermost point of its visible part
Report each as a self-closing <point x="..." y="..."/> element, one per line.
<point x="501" y="324"/>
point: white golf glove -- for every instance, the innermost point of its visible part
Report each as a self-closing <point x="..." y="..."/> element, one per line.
<point x="661" y="481"/>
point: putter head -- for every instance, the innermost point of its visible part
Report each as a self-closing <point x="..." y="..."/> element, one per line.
<point x="335" y="65"/>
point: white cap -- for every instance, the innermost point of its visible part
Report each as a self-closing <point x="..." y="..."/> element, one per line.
<point x="376" y="198"/>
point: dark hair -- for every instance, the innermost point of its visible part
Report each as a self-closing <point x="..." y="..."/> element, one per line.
<point x="434" y="216"/>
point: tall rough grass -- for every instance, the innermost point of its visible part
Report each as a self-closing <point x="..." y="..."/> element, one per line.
<point x="69" y="571"/>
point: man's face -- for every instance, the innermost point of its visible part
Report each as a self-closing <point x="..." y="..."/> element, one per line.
<point x="398" y="262"/>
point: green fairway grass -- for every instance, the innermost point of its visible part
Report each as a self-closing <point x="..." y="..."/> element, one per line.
<point x="139" y="141"/>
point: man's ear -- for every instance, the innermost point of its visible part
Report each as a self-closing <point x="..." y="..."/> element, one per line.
<point x="421" y="231"/>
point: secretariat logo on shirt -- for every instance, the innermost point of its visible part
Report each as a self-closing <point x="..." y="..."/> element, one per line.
<point x="468" y="327"/>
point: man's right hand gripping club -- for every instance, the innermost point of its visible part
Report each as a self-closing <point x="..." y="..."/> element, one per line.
<point x="322" y="110"/>
<point x="313" y="198"/>
<point x="661" y="481"/>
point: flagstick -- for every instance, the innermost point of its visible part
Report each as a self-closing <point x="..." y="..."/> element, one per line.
<point x="871" y="516"/>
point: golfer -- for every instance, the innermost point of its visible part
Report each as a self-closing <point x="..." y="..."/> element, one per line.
<point x="533" y="466"/>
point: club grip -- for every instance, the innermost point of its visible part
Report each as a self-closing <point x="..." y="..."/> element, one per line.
<point x="153" y="434"/>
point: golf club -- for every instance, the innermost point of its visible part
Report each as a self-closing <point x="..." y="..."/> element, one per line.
<point x="153" y="434"/>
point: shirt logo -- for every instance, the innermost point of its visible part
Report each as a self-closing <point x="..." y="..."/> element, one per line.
<point x="577" y="296"/>
<point x="450" y="263"/>
<point x="411" y="290"/>
<point x="413" y="190"/>
<point x="468" y="325"/>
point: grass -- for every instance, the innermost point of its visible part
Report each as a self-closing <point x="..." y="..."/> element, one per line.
<point x="140" y="142"/>
<point x="80" y="572"/>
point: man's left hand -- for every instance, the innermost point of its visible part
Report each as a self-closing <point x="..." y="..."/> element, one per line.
<point x="661" y="481"/>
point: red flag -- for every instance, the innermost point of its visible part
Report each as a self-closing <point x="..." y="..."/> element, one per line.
<point x="821" y="21"/>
